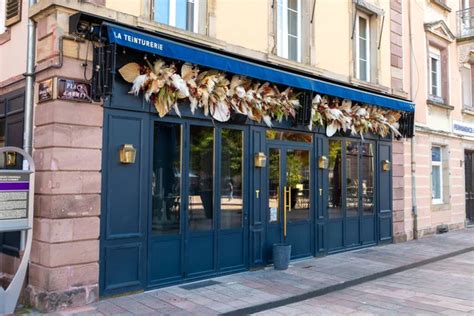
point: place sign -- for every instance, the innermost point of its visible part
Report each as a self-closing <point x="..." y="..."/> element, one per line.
<point x="74" y="90"/>
<point x="45" y="90"/>
<point x="14" y="194"/>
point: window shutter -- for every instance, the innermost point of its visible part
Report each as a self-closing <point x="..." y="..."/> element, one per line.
<point x="13" y="12"/>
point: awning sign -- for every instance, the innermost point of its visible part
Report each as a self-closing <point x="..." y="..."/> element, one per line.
<point x="463" y="128"/>
<point x="167" y="48"/>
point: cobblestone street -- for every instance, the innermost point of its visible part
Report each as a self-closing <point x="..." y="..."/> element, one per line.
<point x="445" y="287"/>
<point x="432" y="275"/>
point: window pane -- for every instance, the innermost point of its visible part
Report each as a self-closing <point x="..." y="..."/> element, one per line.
<point x="190" y="15"/>
<point x="291" y="136"/>
<point x="274" y="185"/>
<point x="367" y="178"/>
<point x="362" y="27"/>
<point x="166" y="179"/>
<point x="352" y="179"/>
<point x="362" y="69"/>
<point x="335" y="177"/>
<point x="362" y="49"/>
<point x="162" y="11"/>
<point x="293" y="4"/>
<point x="297" y="181"/>
<point x="231" y="179"/>
<point x="201" y="173"/>
<point x="436" y="179"/>
<point x="293" y="23"/>
<point x="181" y="16"/>
<point x="292" y="48"/>
<point x="436" y="154"/>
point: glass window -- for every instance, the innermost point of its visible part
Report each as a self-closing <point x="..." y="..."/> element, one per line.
<point x="231" y="178"/>
<point x="367" y="178"/>
<point x="2" y="16"/>
<point x="436" y="175"/>
<point x="289" y="29"/>
<point x="352" y="179"/>
<point x="274" y="185"/>
<point x="291" y="136"/>
<point x="178" y="13"/>
<point x="297" y="180"/>
<point x="166" y="179"/>
<point x="200" y="181"/>
<point x="363" y="47"/>
<point x="435" y="72"/>
<point x="335" y="179"/>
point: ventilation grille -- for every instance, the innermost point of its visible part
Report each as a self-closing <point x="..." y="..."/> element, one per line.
<point x="13" y="12"/>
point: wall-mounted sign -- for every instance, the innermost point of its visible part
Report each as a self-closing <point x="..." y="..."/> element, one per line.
<point x="463" y="128"/>
<point x="14" y="193"/>
<point x="75" y="90"/>
<point x="45" y="90"/>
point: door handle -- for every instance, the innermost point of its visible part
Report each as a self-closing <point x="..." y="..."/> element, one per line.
<point x="285" y="208"/>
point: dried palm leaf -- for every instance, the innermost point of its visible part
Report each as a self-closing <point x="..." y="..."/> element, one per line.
<point x="130" y="71"/>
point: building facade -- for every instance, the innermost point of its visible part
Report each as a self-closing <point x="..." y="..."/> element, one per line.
<point x="442" y="46"/>
<point x="134" y="192"/>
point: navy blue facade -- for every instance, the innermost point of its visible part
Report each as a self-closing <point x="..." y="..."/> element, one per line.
<point x="134" y="258"/>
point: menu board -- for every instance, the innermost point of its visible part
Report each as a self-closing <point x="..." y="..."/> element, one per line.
<point x="14" y="190"/>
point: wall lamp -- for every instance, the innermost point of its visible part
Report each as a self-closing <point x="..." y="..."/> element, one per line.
<point x="10" y="159"/>
<point x="260" y="160"/>
<point x="323" y="162"/>
<point x="127" y="154"/>
<point x="386" y="165"/>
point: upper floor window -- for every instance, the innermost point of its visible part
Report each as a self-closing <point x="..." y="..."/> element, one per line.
<point x="467" y="78"/>
<point x="2" y="16"/>
<point x="435" y="72"/>
<point x="289" y="29"/>
<point x="183" y="14"/>
<point x="362" y="37"/>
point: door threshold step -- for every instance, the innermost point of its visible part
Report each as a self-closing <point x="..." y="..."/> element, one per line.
<point x="198" y="285"/>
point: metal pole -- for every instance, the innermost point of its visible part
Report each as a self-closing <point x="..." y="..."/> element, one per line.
<point x="30" y="82"/>
<point x="414" y="209"/>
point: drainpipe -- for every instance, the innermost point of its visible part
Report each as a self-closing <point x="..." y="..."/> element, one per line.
<point x="30" y="82"/>
<point x="413" y="141"/>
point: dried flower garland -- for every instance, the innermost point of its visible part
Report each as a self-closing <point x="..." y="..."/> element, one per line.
<point x="211" y="91"/>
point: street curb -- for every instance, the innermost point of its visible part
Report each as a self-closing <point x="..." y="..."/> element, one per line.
<point x="340" y="286"/>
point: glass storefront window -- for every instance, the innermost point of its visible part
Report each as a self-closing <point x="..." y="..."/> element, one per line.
<point x="335" y="179"/>
<point x="289" y="136"/>
<point x="231" y="178"/>
<point x="201" y="184"/>
<point x="297" y="179"/>
<point x="352" y="179"/>
<point x="166" y="179"/>
<point x="367" y="178"/>
<point x="274" y="185"/>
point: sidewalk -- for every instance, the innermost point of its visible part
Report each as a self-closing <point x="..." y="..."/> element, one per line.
<point x="250" y="292"/>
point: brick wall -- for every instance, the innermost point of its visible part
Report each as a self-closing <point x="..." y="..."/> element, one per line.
<point x="64" y="269"/>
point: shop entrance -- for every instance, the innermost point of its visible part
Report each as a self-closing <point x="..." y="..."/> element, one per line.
<point x="469" y="169"/>
<point x="198" y="208"/>
<point x="289" y="192"/>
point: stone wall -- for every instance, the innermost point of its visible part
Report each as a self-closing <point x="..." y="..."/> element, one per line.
<point x="64" y="269"/>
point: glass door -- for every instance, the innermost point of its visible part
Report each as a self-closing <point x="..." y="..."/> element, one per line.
<point x="289" y="199"/>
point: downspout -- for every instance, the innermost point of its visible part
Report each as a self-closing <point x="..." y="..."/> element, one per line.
<point x="413" y="142"/>
<point x="30" y="82"/>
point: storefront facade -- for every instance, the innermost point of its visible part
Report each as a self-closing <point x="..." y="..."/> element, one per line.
<point x="198" y="201"/>
<point x="201" y="197"/>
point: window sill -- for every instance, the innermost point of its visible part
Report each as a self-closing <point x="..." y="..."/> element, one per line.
<point x="468" y="111"/>
<point x="440" y="206"/>
<point x="369" y="85"/>
<point x="441" y="4"/>
<point x="439" y="104"/>
<point x="5" y="36"/>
